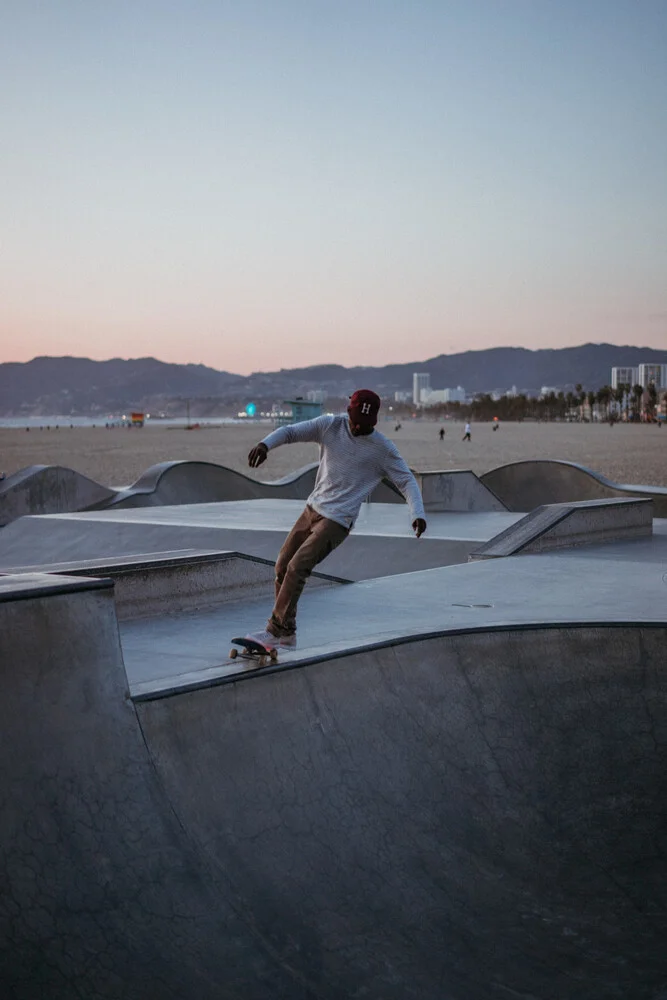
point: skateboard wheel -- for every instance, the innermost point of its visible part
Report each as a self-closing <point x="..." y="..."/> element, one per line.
<point x="233" y="653"/>
<point x="274" y="654"/>
<point x="262" y="661"/>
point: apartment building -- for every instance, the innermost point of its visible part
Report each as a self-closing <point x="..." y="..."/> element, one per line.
<point x="624" y="375"/>
<point x="652" y="374"/>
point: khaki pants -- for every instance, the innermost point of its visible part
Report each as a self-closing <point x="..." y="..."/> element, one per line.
<point x="311" y="539"/>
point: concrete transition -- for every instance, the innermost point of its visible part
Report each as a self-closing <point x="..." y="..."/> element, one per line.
<point x="568" y="525"/>
<point x="459" y="817"/>
<point x="51" y="490"/>
<point x="45" y="489"/>
<point x="456" y="490"/>
<point x="206" y="482"/>
<point x="48" y="489"/>
<point x="522" y="486"/>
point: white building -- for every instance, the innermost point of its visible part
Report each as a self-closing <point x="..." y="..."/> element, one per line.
<point x="656" y="374"/>
<point x="420" y="381"/>
<point x="624" y="375"/>
<point x="457" y="395"/>
<point x="431" y="397"/>
<point x="316" y="395"/>
<point x="402" y="396"/>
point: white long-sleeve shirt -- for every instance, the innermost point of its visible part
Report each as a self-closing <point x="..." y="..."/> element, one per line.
<point x="350" y="467"/>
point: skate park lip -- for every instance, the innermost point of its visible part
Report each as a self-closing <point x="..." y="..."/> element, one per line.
<point x="472" y="598"/>
<point x="169" y="687"/>
<point x="528" y="483"/>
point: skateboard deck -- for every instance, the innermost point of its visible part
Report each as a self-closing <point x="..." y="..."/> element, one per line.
<point x="251" y="650"/>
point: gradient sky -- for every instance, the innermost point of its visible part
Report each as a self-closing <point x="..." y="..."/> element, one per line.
<point x="261" y="184"/>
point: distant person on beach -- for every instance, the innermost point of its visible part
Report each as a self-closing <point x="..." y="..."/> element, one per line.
<point x="466" y="433"/>
<point x="442" y="434"/>
<point x="354" y="458"/>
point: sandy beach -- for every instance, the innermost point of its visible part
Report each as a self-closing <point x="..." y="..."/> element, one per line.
<point x="631" y="453"/>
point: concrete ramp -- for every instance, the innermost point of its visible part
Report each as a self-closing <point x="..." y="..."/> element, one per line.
<point x="186" y="482"/>
<point x="169" y="583"/>
<point x="48" y="489"/>
<point x="522" y="486"/>
<point x="456" y="490"/>
<point x="461" y="817"/>
<point x="569" y="525"/>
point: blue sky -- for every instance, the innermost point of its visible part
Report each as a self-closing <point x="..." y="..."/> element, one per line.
<point x="256" y="185"/>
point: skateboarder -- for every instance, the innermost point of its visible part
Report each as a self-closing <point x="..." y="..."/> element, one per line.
<point x="354" y="458"/>
<point x="466" y="433"/>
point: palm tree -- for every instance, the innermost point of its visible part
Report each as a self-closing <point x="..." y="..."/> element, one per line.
<point x="637" y="393"/>
<point x="621" y="395"/>
<point x="604" y="398"/>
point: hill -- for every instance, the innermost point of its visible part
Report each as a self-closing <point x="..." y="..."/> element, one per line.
<point x="80" y="386"/>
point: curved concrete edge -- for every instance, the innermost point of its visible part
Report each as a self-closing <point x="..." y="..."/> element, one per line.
<point x="51" y="489"/>
<point x="48" y="489"/>
<point x="321" y="833"/>
<point x="181" y="482"/>
<point x="502" y="788"/>
<point x="519" y="486"/>
<point x="233" y="673"/>
<point x="523" y="486"/>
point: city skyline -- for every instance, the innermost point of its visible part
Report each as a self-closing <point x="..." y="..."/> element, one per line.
<point x="267" y="185"/>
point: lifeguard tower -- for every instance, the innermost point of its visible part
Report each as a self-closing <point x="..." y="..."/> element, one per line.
<point x="302" y="409"/>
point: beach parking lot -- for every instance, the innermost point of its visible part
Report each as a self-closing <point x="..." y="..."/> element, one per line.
<point x="626" y="453"/>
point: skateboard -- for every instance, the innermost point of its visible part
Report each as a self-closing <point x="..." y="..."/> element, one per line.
<point x="251" y="650"/>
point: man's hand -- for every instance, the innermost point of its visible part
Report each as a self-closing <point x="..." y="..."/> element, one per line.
<point x="419" y="526"/>
<point x="258" y="455"/>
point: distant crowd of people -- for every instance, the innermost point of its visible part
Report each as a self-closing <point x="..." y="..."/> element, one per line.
<point x="467" y="430"/>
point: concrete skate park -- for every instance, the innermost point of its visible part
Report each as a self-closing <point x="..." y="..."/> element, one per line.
<point x="454" y="788"/>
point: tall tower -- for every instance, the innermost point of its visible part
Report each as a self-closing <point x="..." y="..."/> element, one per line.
<point x="420" y="381"/>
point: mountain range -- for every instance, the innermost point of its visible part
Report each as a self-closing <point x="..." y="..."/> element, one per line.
<point x="80" y="386"/>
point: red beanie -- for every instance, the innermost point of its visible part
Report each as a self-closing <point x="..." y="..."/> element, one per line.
<point x="364" y="406"/>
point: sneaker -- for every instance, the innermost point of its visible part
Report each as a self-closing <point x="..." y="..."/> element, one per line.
<point x="264" y="638"/>
<point x="287" y="641"/>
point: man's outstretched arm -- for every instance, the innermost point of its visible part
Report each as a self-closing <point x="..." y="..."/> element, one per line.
<point x="306" y="430"/>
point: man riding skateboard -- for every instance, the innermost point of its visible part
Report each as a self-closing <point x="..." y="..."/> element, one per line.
<point x="354" y="458"/>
